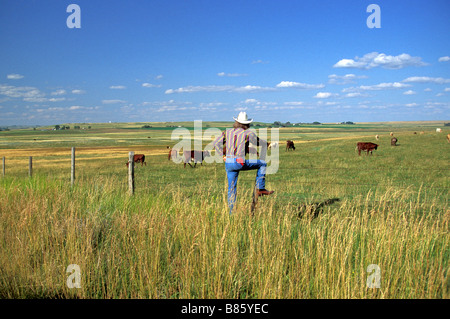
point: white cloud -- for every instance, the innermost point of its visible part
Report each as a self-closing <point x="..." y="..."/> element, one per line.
<point x="427" y="90"/>
<point x="324" y="95"/>
<point x="117" y="87"/>
<point x="252" y="88"/>
<point x="444" y="59"/>
<point x="231" y="74"/>
<point x="375" y="59"/>
<point x="192" y="89"/>
<point x="349" y="63"/>
<point x="411" y="104"/>
<point x="20" y="91"/>
<point x="58" y="92"/>
<point x="344" y="79"/>
<point x="293" y="103"/>
<point x="159" y="77"/>
<point x="377" y="87"/>
<point x="149" y="85"/>
<point x="259" y="62"/>
<point x="426" y="79"/>
<point x="410" y="92"/>
<point x="447" y="90"/>
<point x="251" y="101"/>
<point x="113" y="101"/>
<point x="219" y="88"/>
<point x="78" y="107"/>
<point x="78" y="92"/>
<point x="14" y="76"/>
<point x="297" y="85"/>
<point x="59" y="99"/>
<point x="355" y="94"/>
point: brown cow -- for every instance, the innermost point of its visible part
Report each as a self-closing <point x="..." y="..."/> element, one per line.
<point x="289" y="145"/>
<point x="138" y="158"/>
<point x="448" y="138"/>
<point x="394" y="141"/>
<point x="195" y="156"/>
<point x="366" y="146"/>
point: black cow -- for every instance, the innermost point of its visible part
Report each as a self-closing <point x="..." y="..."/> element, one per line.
<point x="195" y="156"/>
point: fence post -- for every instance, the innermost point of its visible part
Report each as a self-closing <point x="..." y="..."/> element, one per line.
<point x="72" y="170"/>
<point x="131" y="173"/>
<point x="4" y="166"/>
<point x="30" y="167"/>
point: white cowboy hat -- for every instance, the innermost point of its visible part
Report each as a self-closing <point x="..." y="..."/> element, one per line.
<point x="242" y="118"/>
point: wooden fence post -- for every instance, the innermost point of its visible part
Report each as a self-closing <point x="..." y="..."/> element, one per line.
<point x="72" y="170"/>
<point x="4" y="166"/>
<point x="131" y="173"/>
<point x="30" y="167"/>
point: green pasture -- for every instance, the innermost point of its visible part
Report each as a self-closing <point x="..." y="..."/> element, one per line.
<point x="332" y="215"/>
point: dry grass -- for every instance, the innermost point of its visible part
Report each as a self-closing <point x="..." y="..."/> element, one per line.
<point x="167" y="245"/>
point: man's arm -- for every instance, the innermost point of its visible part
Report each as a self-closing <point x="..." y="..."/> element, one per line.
<point x="219" y="143"/>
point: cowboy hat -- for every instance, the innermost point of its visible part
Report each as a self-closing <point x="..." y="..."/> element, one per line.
<point x="242" y="118"/>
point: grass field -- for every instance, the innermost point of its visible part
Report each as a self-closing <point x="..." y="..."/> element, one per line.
<point x="175" y="239"/>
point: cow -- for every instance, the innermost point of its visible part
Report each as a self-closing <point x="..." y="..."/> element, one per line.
<point x="448" y="138"/>
<point x="438" y="130"/>
<point x="394" y="141"/>
<point x="391" y="134"/>
<point x="366" y="146"/>
<point x="273" y="145"/>
<point x="138" y="158"/>
<point x="377" y="137"/>
<point x="289" y="145"/>
<point x="195" y="156"/>
<point x="172" y="153"/>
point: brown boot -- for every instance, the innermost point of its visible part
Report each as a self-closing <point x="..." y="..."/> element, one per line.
<point x="262" y="192"/>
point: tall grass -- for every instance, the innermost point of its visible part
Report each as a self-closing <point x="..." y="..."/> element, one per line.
<point x="166" y="244"/>
<point x="175" y="239"/>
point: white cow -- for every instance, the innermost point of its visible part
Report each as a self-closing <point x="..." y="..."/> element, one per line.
<point x="438" y="130"/>
<point x="273" y="145"/>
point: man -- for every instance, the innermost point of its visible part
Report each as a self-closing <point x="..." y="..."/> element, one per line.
<point x="236" y="140"/>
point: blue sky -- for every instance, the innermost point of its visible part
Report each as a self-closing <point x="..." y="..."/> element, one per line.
<point x="283" y="60"/>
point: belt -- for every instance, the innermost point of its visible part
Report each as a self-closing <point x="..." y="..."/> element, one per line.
<point x="239" y="160"/>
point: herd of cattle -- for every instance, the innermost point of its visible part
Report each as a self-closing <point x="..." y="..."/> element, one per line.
<point x="199" y="156"/>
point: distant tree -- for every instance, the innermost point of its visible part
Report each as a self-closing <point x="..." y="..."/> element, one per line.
<point x="446" y="124"/>
<point x="89" y="127"/>
<point x="277" y="123"/>
<point x="316" y="123"/>
<point x="57" y="127"/>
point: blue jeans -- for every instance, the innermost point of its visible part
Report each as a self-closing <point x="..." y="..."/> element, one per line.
<point x="233" y="168"/>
